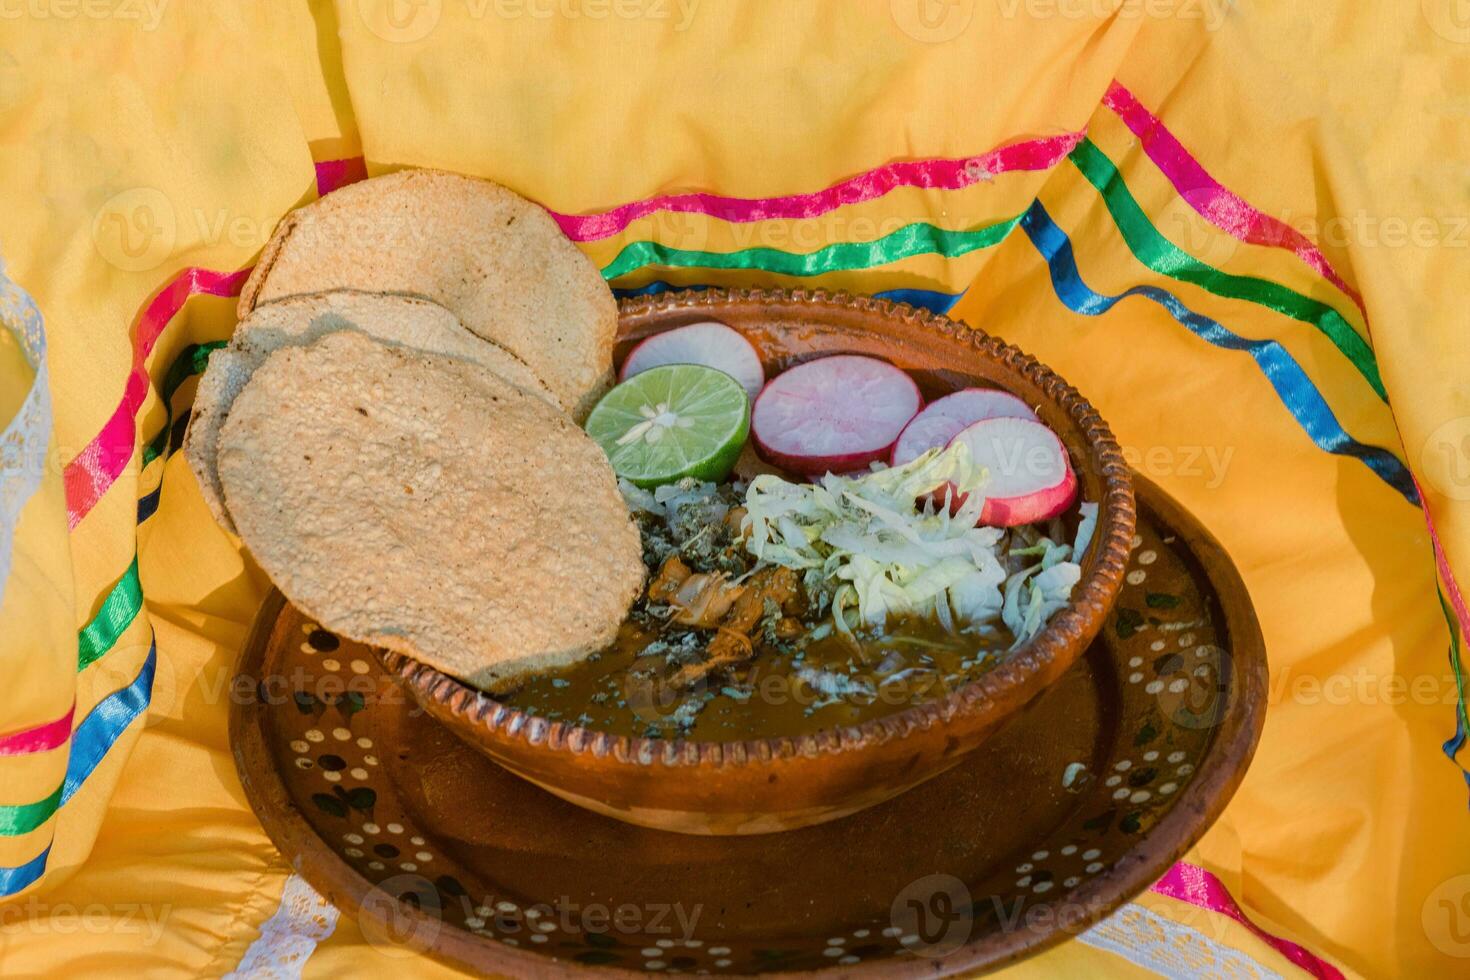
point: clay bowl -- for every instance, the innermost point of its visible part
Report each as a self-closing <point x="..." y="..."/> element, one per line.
<point x="771" y="784"/>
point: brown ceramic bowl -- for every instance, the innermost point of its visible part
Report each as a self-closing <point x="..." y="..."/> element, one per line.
<point x="770" y="784"/>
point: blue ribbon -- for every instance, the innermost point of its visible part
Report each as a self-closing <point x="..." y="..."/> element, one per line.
<point x="90" y="743"/>
<point x="1297" y="393"/>
<point x="104" y="725"/>
<point x="14" y="879"/>
<point x="1455" y="743"/>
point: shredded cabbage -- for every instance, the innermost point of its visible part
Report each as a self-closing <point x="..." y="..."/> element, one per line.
<point x="868" y="541"/>
<point x="1085" y="529"/>
<point x="672" y="500"/>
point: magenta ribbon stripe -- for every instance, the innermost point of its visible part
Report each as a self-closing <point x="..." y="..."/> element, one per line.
<point x="1457" y="599"/>
<point x="1222" y="207"/>
<point x="42" y="738"/>
<point x="1457" y="602"/>
<point x="1190" y="883"/>
<point x="332" y="174"/>
<point x="97" y="467"/>
<point x="938" y="174"/>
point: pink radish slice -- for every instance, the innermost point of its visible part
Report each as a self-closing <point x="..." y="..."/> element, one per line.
<point x="1031" y="478"/>
<point x="835" y="414"/>
<point x="710" y="344"/>
<point x="942" y="419"/>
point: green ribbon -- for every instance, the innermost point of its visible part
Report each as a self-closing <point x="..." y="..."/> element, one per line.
<point x="191" y="361"/>
<point x="1162" y="256"/>
<point x="125" y="600"/>
<point x="919" y="238"/>
<point x="26" y="817"/>
<point x="1456" y="667"/>
<point x="118" y="611"/>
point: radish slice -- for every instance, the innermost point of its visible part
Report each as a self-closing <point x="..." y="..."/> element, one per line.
<point x="711" y="344"/>
<point x="943" y="419"/>
<point x="835" y="415"/>
<point x="1031" y="478"/>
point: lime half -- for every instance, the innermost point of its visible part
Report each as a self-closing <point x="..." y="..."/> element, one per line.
<point x="671" y="422"/>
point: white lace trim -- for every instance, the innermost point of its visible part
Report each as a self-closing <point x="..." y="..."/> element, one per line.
<point x="1171" y="949"/>
<point x="288" y="938"/>
<point x="23" y="442"/>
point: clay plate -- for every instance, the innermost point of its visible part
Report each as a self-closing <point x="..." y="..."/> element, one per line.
<point x="770" y="784"/>
<point x="1078" y="805"/>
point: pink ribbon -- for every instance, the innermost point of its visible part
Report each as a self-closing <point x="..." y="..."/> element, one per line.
<point x="1457" y="600"/>
<point x="332" y="174"/>
<point x="940" y="174"/>
<point x="1190" y="883"/>
<point x="96" y="467"/>
<point x="1223" y="208"/>
<point x="42" y="738"/>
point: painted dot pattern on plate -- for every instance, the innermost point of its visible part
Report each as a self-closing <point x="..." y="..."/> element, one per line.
<point x="1170" y="663"/>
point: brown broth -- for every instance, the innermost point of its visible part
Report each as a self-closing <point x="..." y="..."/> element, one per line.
<point x="787" y="689"/>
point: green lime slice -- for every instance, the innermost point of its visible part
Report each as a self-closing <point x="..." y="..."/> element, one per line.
<point x="671" y="422"/>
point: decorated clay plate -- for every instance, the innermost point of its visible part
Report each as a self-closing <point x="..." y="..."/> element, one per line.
<point x="1087" y="797"/>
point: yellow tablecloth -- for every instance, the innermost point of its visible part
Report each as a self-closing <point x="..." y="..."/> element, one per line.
<point x="1257" y="184"/>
